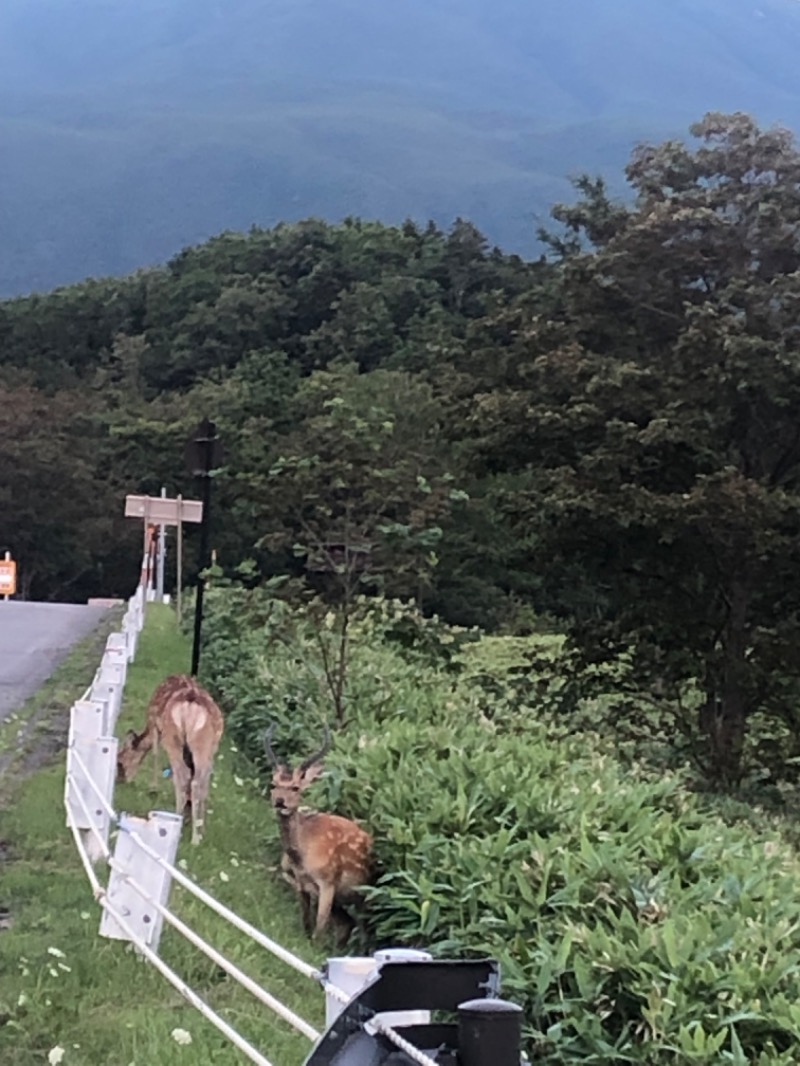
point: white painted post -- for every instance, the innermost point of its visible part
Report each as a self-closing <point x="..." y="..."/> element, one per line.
<point x="111" y="693"/>
<point x="162" y="555"/>
<point x="117" y="641"/>
<point x="131" y="631"/>
<point x="161" y="831"/>
<point x="99" y="756"/>
<point x="114" y="666"/>
<point x="140" y="598"/>
<point x="88" y="719"/>
<point x="351" y="974"/>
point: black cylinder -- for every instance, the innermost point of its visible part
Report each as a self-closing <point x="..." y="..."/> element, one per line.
<point x="489" y="1033"/>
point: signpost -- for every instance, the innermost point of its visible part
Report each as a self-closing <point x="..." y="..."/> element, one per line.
<point x="8" y="576"/>
<point x="165" y="511"/>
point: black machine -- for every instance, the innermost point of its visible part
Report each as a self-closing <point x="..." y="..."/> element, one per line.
<point x="481" y="1030"/>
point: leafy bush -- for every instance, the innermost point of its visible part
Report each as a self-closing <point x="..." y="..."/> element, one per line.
<point x="632" y="924"/>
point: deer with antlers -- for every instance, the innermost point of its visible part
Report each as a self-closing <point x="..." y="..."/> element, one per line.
<point x="324" y="855"/>
<point x="184" y="718"/>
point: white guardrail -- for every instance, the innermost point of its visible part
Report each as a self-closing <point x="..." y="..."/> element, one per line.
<point x="142" y="868"/>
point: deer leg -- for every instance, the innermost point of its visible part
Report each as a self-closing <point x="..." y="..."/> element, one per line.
<point x="156" y="762"/>
<point x="200" y="783"/>
<point x="306" y="909"/>
<point x="181" y="779"/>
<point x="343" y="925"/>
<point x="324" y="905"/>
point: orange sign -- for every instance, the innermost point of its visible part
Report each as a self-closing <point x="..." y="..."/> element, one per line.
<point x="8" y="577"/>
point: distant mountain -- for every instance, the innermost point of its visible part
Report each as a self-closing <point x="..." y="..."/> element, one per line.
<point x="131" y="128"/>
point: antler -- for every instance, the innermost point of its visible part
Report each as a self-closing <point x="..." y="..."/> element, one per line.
<point x="273" y="758"/>
<point x="323" y="751"/>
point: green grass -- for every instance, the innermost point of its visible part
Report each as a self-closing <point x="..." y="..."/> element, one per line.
<point x="100" y="1001"/>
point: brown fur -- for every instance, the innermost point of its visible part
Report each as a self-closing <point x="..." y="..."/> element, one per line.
<point x="324" y="855"/>
<point x="184" y="718"/>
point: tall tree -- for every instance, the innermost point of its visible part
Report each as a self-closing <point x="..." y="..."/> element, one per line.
<point x="657" y="423"/>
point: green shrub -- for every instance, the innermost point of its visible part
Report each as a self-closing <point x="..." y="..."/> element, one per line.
<point x="632" y="925"/>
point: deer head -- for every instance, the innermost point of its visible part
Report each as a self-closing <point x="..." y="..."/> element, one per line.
<point x="288" y="785"/>
<point x="130" y="755"/>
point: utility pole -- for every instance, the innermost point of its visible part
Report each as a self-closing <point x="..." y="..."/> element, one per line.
<point x="204" y="452"/>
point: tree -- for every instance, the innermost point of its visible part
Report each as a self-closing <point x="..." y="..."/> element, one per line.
<point x="655" y="432"/>
<point x="359" y="493"/>
<point x="54" y="517"/>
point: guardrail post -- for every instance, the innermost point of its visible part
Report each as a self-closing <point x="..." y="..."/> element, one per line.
<point x="115" y="659"/>
<point x="130" y="629"/>
<point x="489" y="1033"/>
<point x="118" y="647"/>
<point x="161" y="831"/>
<point x="107" y="685"/>
<point x="88" y="719"/>
<point x="99" y="756"/>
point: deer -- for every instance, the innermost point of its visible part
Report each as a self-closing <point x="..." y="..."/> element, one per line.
<point x="183" y="717"/>
<point x="324" y="855"/>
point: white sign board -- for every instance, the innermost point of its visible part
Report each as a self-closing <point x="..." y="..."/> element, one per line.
<point x="163" y="510"/>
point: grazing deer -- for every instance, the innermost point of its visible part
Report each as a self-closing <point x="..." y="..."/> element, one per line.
<point x="324" y="855"/>
<point x="185" y="719"/>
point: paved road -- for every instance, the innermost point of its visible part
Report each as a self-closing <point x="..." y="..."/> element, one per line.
<point x="34" y="638"/>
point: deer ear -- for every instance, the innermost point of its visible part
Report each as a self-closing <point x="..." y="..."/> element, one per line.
<point x="315" y="770"/>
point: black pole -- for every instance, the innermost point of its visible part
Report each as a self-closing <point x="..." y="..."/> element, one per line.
<point x="206" y="440"/>
<point x="489" y="1033"/>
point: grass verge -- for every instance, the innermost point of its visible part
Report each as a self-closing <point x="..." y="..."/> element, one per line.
<point x="63" y="985"/>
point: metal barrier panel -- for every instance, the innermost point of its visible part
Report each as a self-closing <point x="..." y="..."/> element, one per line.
<point x="161" y="831"/>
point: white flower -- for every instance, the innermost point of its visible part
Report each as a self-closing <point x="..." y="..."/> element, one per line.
<point x="233" y="748"/>
<point x="55" y="1055"/>
<point x="52" y="971"/>
<point x="234" y="861"/>
<point x="85" y="915"/>
<point x="181" y="1036"/>
<point x="56" y="952"/>
<point x="238" y="781"/>
<point x="22" y="999"/>
<point x="223" y="876"/>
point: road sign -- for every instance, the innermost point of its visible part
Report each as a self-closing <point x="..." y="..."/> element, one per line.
<point x="8" y="577"/>
<point x="161" y="510"/>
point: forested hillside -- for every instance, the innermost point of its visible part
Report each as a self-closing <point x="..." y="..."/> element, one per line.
<point x="132" y="129"/>
<point x="608" y="438"/>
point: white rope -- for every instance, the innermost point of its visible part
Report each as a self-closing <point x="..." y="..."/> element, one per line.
<point x="245" y="927"/>
<point x="97" y="888"/>
<point x="92" y="827"/>
<point x="188" y="993"/>
<point x="387" y="1031"/>
<point x="256" y="990"/>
